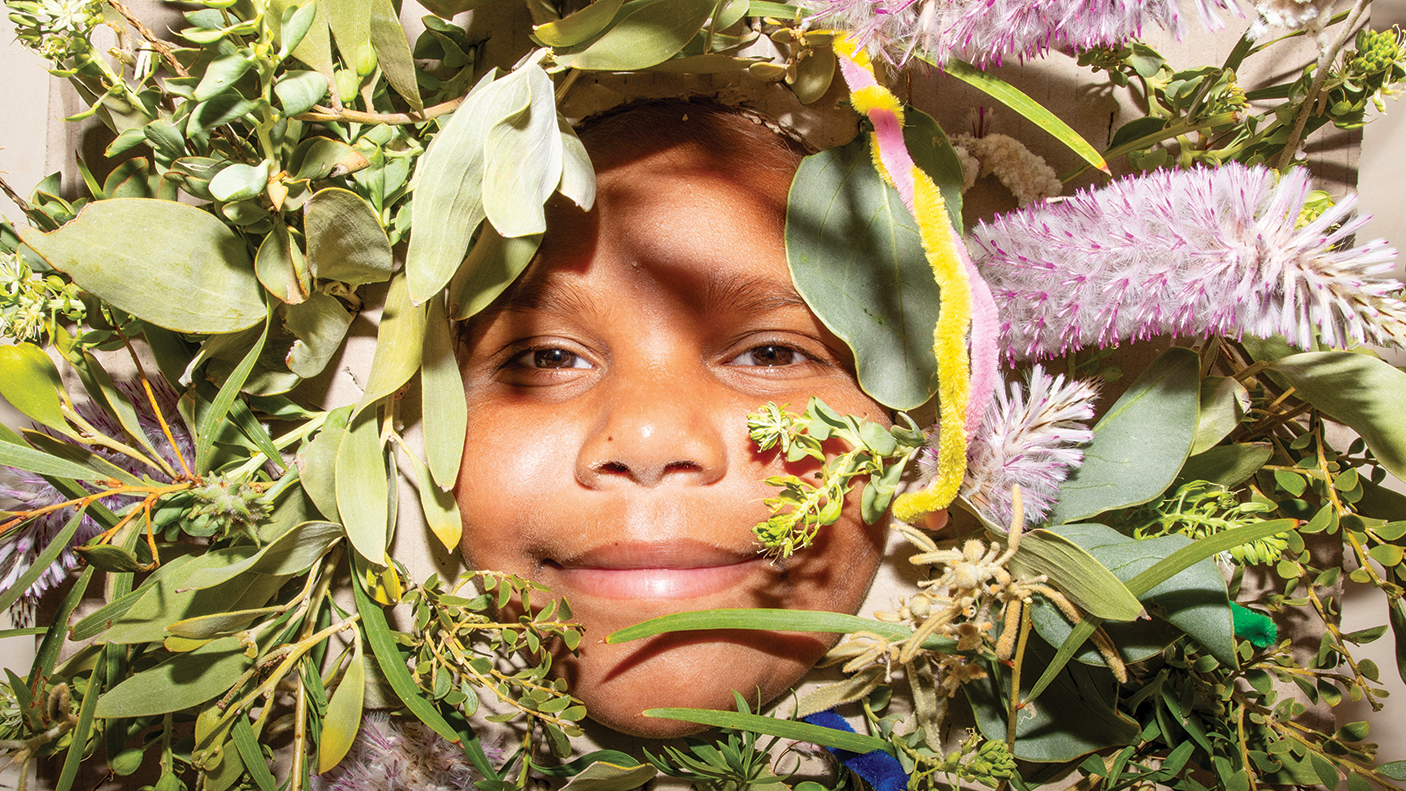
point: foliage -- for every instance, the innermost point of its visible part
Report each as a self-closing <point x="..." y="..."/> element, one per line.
<point x="292" y="153"/>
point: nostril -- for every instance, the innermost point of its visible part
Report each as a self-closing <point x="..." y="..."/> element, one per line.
<point x="683" y="466"/>
<point x="613" y="468"/>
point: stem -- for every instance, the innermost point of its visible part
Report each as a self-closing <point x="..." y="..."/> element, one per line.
<point x="1325" y="61"/>
<point x="157" y="44"/>
<point x="151" y="397"/>
<point x="1024" y="605"/>
<point x="324" y="114"/>
<point x="300" y="735"/>
<point x="91" y="436"/>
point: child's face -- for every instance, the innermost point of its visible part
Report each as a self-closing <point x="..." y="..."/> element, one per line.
<point x="607" y="453"/>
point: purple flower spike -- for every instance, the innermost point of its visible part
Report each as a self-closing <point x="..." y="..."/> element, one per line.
<point x="1188" y="252"/>
<point x="1029" y="437"/>
<point x="988" y="31"/>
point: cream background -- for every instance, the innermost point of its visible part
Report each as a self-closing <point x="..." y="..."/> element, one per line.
<point x="33" y="142"/>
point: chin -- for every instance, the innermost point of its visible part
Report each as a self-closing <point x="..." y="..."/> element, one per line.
<point x="687" y="670"/>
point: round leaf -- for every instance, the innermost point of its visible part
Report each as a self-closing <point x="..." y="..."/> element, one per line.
<point x="165" y="262"/>
<point x="298" y="91"/>
<point x="345" y="239"/>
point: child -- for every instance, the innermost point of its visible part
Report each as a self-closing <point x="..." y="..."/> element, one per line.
<point x="607" y="453"/>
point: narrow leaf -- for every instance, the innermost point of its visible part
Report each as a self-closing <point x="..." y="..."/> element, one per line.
<point x="41" y="564"/>
<point x="777" y="620"/>
<point x="393" y="52"/>
<point x="786" y="729"/>
<point x="399" y="344"/>
<point x="577" y="27"/>
<point x="31" y="383"/>
<point x="214" y="418"/>
<point x="180" y="682"/>
<point x="443" y="405"/>
<point x="440" y="508"/>
<point x="362" y="490"/>
<point x="253" y="756"/>
<point x="343" y="718"/>
<point x="643" y="34"/>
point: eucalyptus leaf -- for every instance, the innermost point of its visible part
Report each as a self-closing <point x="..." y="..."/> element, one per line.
<point x="440" y="508"/>
<point x="317" y="463"/>
<point x="320" y="325"/>
<point x="31" y="383"/>
<point x="180" y="682"/>
<point x="523" y="161"/>
<point x="345" y="239"/>
<point x="448" y="200"/>
<point x="169" y="600"/>
<point x="103" y="617"/>
<point x="1077" y="573"/>
<point x="292" y="553"/>
<point x="1140" y="444"/>
<point x="343" y="718"/>
<point x="603" y="776"/>
<point x="203" y="627"/>
<point x="579" y="26"/>
<point x="771" y="726"/>
<point x="1223" y="403"/>
<point x="23" y="457"/>
<point x="857" y="260"/>
<point x="443" y="405"/>
<point x="1359" y="390"/>
<point x="643" y="33"/>
<point x="1227" y="465"/>
<point x="399" y="344"/>
<point x="362" y="491"/>
<point x="165" y="262"/>
<point x="393" y="52"/>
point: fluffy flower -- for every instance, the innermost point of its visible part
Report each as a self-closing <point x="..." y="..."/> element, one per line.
<point x="1188" y="252"/>
<point x="1290" y="14"/>
<point x="1025" y="173"/>
<point x="400" y="756"/>
<point x="21" y="491"/>
<point x="988" y="31"/>
<point x="1029" y="437"/>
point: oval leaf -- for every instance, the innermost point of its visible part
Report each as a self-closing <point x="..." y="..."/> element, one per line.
<point x="646" y="32"/>
<point x="298" y="91"/>
<point x="575" y="28"/>
<point x="523" y="161"/>
<point x="320" y="325"/>
<point x="343" y="717"/>
<point x="165" y="262"/>
<point x="1361" y="391"/>
<point x="31" y="383"/>
<point x="1086" y="581"/>
<point x="362" y="491"/>
<point x="444" y="409"/>
<point x="345" y="239"/>
<point x="1140" y="445"/>
<point x="399" y="345"/>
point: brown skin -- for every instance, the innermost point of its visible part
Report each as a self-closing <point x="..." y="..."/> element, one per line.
<point x="607" y="453"/>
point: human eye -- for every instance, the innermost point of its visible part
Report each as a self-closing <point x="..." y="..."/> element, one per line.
<point x="549" y="358"/>
<point x="770" y="355"/>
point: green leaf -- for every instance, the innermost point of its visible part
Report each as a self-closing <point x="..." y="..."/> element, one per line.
<point x="106" y="557"/>
<point x="322" y="157"/>
<point x="645" y="33"/>
<point x="73" y="757"/>
<point x="183" y="681"/>
<point x="1396" y="770"/>
<point x="222" y="72"/>
<point x="1227" y="465"/>
<point x="320" y="325"/>
<point x="317" y="463"/>
<point x="343" y="719"/>
<point x="1223" y="403"/>
<point x="213" y="420"/>
<point x="576" y="28"/>
<point x="1194" y="601"/>
<point x="1204" y="548"/>
<point x="1359" y="390"/>
<point x="443" y="406"/>
<point x="281" y="266"/>
<point x="1074" y="717"/>
<point x="298" y="91"/>
<point x="239" y="182"/>
<point x="786" y="729"/>
<point x="350" y="21"/>
<point x="79" y="455"/>
<point x="253" y="756"/>
<point x="345" y="239"/>
<point x="578" y="175"/>
<point x="857" y="260"/>
<point x="31" y="383"/>
<point x="523" y="161"/>
<point x="204" y="627"/>
<point x="165" y="262"/>
<point x="39" y="565"/>
<point x="440" y="508"/>
<point x="1012" y="97"/>
<point x="392" y="664"/>
<point x="169" y="600"/>
<point x="493" y="264"/>
<point x="393" y="52"/>
<point x="399" y="344"/>
<point x="363" y="494"/>
<point x="1080" y="575"/>
<point x="25" y="458"/>
<point x="603" y="776"/>
<point x="292" y="553"/>
<point x="448" y="200"/>
<point x="1140" y="444"/>
<point x="778" y="620"/>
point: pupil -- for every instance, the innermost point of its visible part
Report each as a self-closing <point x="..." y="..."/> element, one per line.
<point x="773" y="355"/>
<point x="553" y="358"/>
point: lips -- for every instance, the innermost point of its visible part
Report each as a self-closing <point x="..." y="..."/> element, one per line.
<point x="652" y="571"/>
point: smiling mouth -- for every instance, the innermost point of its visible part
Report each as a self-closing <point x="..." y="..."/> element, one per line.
<point x="677" y="570"/>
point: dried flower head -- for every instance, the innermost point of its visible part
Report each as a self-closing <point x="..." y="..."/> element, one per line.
<point x="391" y="755"/>
<point x="1187" y="252"/>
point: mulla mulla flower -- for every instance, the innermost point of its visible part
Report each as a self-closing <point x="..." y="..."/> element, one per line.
<point x="1030" y="437"/>
<point x="989" y="31"/>
<point x="1188" y="252"/>
<point x="25" y="491"/>
<point x="389" y="755"/>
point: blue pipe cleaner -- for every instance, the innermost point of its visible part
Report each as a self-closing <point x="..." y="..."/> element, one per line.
<point x="880" y="770"/>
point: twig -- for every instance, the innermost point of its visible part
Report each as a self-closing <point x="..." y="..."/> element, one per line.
<point x="156" y="43"/>
<point x="1016" y="705"/>
<point x="155" y="407"/>
<point x="1325" y="61"/>
<point x="325" y="114"/>
<point x="15" y="197"/>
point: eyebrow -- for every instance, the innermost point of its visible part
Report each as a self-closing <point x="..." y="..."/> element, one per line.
<point x="741" y="292"/>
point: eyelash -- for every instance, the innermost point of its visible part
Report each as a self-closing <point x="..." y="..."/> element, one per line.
<point x="525" y="357"/>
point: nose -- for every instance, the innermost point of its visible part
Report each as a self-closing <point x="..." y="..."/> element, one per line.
<point x="654" y="433"/>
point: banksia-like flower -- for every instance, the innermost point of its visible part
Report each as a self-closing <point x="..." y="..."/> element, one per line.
<point x="1030" y="437"/>
<point x="988" y="31"/>
<point x="1187" y="252"/>
<point x="393" y="756"/>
